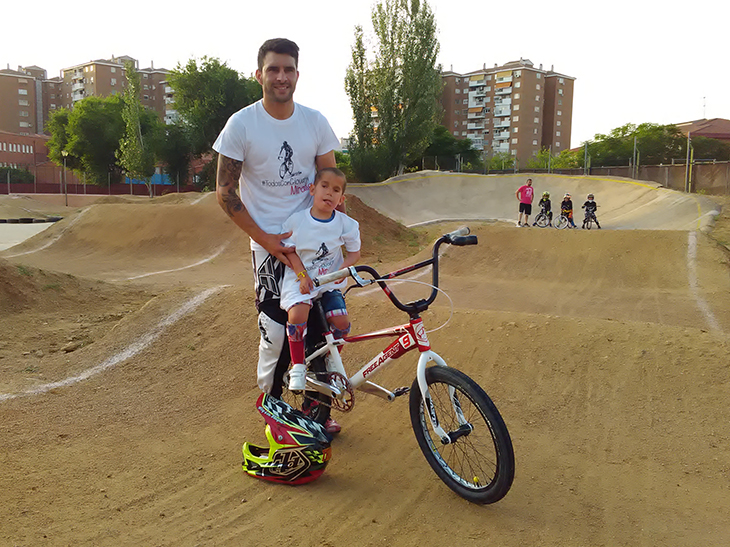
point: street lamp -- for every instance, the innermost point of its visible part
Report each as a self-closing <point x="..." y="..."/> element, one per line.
<point x="65" y="179"/>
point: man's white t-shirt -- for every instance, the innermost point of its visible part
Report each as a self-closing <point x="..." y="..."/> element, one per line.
<point x="319" y="246"/>
<point x="278" y="160"/>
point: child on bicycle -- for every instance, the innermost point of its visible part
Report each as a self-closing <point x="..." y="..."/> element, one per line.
<point x="590" y="206"/>
<point x="318" y="233"/>
<point x="566" y="209"/>
<point x="545" y="207"/>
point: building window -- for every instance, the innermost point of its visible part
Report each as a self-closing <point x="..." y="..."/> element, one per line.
<point x="560" y="102"/>
<point x="537" y="109"/>
<point x="23" y="102"/>
<point x="516" y="119"/>
<point x="53" y="106"/>
<point x="464" y="122"/>
<point x="560" y="91"/>
<point x="146" y="76"/>
<point x="538" y="75"/>
<point x="456" y="101"/>
<point x="537" y="120"/>
<point x="22" y="81"/>
<point x="456" y="133"/>
<point x="534" y="142"/>
<point x="514" y="141"/>
<point x="24" y="124"/>
<point x="114" y="81"/>
<point x="458" y="80"/>
<point x="457" y="91"/>
<point x="518" y="73"/>
<point x="517" y="84"/>
<point x="517" y="96"/>
<point x="557" y="133"/>
<point x="489" y="77"/>
<point x="557" y="144"/>
<point x="516" y="107"/>
<point x="23" y="113"/>
<point x="561" y="81"/>
<point x="22" y="92"/>
<point x="463" y="133"/>
<point x="456" y="112"/>
<point x="534" y="131"/>
<point x="514" y="130"/>
<point x="456" y="124"/>
<point x="113" y="70"/>
<point x="465" y="101"/>
<point x="537" y="86"/>
<point x="560" y="112"/>
<point x="537" y="97"/>
<point x="557" y="123"/>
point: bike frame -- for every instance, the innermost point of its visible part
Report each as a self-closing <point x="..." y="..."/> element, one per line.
<point x="408" y="337"/>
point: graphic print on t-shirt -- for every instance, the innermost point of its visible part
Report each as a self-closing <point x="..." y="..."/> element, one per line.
<point x="323" y="260"/>
<point x="286" y="169"/>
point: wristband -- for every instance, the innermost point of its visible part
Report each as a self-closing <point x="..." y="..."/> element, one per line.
<point x="302" y="274"/>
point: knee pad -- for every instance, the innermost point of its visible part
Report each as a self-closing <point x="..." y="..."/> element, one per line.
<point x="341" y="333"/>
<point x="296" y="332"/>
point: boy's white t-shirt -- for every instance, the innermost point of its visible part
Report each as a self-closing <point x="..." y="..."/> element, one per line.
<point x="319" y="246"/>
<point x="272" y="188"/>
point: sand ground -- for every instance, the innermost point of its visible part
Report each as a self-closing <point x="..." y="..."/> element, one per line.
<point x="127" y="358"/>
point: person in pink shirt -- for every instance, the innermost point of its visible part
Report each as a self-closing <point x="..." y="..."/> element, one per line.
<point x="525" y="194"/>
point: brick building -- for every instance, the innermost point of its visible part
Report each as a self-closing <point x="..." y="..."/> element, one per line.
<point x="515" y="108"/>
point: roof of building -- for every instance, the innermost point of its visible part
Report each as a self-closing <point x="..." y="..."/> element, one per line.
<point x="11" y="72"/>
<point x="714" y="128"/>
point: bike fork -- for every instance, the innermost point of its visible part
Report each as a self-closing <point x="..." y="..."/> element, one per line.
<point x="423" y="361"/>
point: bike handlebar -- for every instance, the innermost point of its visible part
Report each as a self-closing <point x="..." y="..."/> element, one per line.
<point x="458" y="237"/>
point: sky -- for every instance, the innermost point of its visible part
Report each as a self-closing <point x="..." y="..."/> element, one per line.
<point x="634" y="61"/>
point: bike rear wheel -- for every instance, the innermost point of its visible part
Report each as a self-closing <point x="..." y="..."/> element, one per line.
<point x="561" y="222"/>
<point x="542" y="220"/>
<point x="314" y="404"/>
<point x="480" y="464"/>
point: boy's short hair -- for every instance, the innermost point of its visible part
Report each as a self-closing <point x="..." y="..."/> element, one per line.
<point x="335" y="172"/>
<point x="278" y="45"/>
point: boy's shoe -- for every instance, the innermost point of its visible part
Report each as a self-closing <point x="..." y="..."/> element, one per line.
<point x="519" y="224"/>
<point x="298" y="377"/>
<point x="332" y="426"/>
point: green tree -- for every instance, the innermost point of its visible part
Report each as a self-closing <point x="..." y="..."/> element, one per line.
<point x="501" y="161"/>
<point x="57" y="126"/>
<point x="136" y="153"/>
<point x="710" y="149"/>
<point x="175" y="152"/>
<point x="443" y="144"/>
<point x="402" y="85"/>
<point x="93" y="132"/>
<point x="655" y="144"/>
<point x="206" y="95"/>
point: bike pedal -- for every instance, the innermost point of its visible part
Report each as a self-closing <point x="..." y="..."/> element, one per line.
<point x="401" y="391"/>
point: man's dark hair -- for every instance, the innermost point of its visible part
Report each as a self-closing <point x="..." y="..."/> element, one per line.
<point x="278" y="45"/>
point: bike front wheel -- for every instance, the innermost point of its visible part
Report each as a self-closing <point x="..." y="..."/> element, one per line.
<point x="588" y="223"/>
<point x="479" y="464"/>
<point x="561" y="222"/>
<point x="542" y="220"/>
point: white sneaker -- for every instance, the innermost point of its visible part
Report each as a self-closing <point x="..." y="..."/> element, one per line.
<point x="297" y="377"/>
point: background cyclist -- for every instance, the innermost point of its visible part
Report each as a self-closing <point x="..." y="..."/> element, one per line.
<point x="590" y="206"/>
<point x="545" y="207"/>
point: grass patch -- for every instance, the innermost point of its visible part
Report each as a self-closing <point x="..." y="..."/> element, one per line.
<point x="52" y="287"/>
<point x="22" y="270"/>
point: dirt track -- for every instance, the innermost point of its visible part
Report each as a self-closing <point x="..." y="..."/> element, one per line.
<point x="607" y="353"/>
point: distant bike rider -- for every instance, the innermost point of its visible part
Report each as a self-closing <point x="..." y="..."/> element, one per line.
<point x="590" y="206"/>
<point x="545" y="208"/>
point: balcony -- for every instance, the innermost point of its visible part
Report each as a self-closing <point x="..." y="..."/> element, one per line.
<point x="500" y="147"/>
<point x="476" y="116"/>
<point x="168" y="90"/>
<point x="476" y="83"/>
<point x="502" y="111"/>
<point x="475" y="126"/>
<point x="502" y="123"/>
<point x="503" y="101"/>
<point x="501" y="135"/>
<point x="504" y="79"/>
<point x="503" y="91"/>
<point x="79" y="86"/>
<point x="479" y="92"/>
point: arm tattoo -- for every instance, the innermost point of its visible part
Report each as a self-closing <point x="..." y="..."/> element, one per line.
<point x="229" y="171"/>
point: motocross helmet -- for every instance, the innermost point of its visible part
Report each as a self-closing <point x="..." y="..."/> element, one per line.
<point x="566" y="196"/>
<point x="590" y="196"/>
<point x="299" y="448"/>
<point x="546" y="194"/>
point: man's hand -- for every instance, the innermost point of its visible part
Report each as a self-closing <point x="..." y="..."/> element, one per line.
<point x="274" y="246"/>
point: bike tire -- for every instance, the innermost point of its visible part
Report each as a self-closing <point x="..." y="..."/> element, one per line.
<point x="484" y="454"/>
<point x="589" y="224"/>
<point x="561" y="222"/>
<point x="542" y="220"/>
<point x="314" y="404"/>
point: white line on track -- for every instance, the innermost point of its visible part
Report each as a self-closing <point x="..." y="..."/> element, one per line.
<point x="130" y="351"/>
<point x="693" y="285"/>
<point x="55" y="238"/>
<point x="198" y="263"/>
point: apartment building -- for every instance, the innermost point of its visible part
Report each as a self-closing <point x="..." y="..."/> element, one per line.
<point x="515" y="108"/>
<point x="23" y="151"/>
<point x="18" y="102"/>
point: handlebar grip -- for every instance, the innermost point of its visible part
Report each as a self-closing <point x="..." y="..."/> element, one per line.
<point x="464" y="240"/>
<point x="333" y="276"/>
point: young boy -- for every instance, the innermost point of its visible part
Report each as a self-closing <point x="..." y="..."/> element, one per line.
<point x="566" y="208"/>
<point x="590" y="206"/>
<point x="545" y="207"/>
<point x="318" y="233"/>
